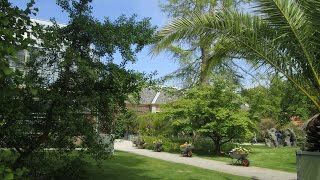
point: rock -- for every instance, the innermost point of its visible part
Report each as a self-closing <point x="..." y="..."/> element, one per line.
<point x="270" y="138"/>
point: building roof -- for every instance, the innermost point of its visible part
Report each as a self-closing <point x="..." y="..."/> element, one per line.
<point x="151" y="96"/>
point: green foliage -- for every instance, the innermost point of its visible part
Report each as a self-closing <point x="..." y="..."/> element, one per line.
<point x="73" y="169"/>
<point x="168" y="144"/>
<point x="126" y="123"/>
<point x="7" y="173"/>
<point x="46" y="165"/>
<point x="279" y="101"/>
<point x="261" y="103"/>
<point x="262" y="126"/>
<point x="282" y="34"/>
<point x="178" y="8"/>
<point x="197" y="56"/>
<point x="154" y="124"/>
<point x="213" y="111"/>
<point x="15" y="34"/>
<point x="295" y="103"/>
<point x="201" y="145"/>
<point x="64" y="88"/>
<point x="182" y="8"/>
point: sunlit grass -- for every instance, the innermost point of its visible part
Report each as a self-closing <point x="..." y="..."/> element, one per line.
<point x="282" y="158"/>
<point x="130" y="166"/>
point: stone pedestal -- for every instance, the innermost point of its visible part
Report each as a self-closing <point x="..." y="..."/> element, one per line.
<point x="308" y="165"/>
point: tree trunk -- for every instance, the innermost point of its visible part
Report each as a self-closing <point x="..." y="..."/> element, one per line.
<point x="217" y="143"/>
<point x="217" y="147"/>
<point x="205" y="67"/>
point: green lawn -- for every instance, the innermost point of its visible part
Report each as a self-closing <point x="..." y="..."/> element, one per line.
<point x="282" y="158"/>
<point x="129" y="166"/>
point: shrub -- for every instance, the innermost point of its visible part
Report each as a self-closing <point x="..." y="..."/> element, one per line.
<point x="263" y="126"/>
<point x="53" y="165"/>
<point x="139" y="142"/>
<point x="7" y="173"/>
<point x="201" y="145"/>
<point x="74" y="169"/>
<point x="167" y="144"/>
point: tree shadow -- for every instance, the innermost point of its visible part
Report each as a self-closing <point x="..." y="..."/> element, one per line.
<point x="119" y="167"/>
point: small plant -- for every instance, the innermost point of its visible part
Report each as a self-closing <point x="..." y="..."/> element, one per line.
<point x="139" y="142"/>
<point x="158" y="145"/>
<point x="186" y="149"/>
<point x="185" y="145"/>
<point x="158" y="141"/>
<point x="240" y="150"/>
<point x="7" y="173"/>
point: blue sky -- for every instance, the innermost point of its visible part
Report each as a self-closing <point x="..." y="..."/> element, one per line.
<point x="162" y="64"/>
<point x="113" y="9"/>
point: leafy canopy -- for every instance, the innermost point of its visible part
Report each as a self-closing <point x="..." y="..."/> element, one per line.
<point x="282" y="34"/>
<point x="213" y="111"/>
<point x="64" y="91"/>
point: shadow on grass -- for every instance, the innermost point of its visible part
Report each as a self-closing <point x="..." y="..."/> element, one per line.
<point x="120" y="166"/>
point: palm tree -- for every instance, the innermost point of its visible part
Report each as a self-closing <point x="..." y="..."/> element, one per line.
<point x="283" y="34"/>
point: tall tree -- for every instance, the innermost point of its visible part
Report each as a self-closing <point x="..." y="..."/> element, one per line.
<point x="197" y="57"/>
<point x="278" y="100"/>
<point x="213" y="111"/>
<point x="283" y="35"/>
<point x="66" y="88"/>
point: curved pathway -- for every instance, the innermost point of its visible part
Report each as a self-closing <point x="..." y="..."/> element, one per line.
<point x="253" y="172"/>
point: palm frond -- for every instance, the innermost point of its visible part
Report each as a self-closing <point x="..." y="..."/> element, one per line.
<point x="282" y="36"/>
<point x="256" y="39"/>
<point x="288" y="17"/>
<point x="178" y="30"/>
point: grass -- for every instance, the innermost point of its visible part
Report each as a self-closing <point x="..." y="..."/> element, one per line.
<point x="129" y="166"/>
<point x="282" y="158"/>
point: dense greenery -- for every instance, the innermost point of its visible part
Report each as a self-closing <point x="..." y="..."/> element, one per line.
<point x="279" y="101"/>
<point x="212" y="111"/>
<point x="281" y="34"/>
<point x="126" y="124"/>
<point x="63" y="90"/>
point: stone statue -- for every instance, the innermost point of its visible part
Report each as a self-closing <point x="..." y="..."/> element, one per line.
<point x="270" y="138"/>
<point x="293" y="139"/>
<point x="286" y="137"/>
<point x="289" y="138"/>
<point x="274" y="138"/>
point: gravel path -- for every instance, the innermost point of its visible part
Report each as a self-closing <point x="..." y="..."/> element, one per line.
<point x="253" y="172"/>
